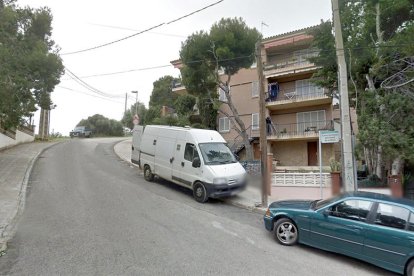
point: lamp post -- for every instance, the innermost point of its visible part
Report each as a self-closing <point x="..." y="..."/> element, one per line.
<point x="136" y="102"/>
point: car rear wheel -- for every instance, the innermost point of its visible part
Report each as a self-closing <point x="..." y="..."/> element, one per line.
<point x="285" y="231"/>
<point x="410" y="268"/>
<point x="148" y="174"/>
<point x="200" y="192"/>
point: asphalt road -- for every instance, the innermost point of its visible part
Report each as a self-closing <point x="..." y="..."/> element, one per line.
<point x="89" y="213"/>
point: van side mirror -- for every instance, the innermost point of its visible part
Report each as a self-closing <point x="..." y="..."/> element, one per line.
<point x="237" y="157"/>
<point x="196" y="162"/>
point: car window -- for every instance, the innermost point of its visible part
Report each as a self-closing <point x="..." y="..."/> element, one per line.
<point x="190" y="152"/>
<point x="411" y="222"/>
<point x="352" y="209"/>
<point x="391" y="216"/>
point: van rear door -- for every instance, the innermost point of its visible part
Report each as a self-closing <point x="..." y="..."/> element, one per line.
<point x="136" y="143"/>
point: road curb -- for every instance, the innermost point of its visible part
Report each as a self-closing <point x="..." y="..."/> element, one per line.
<point x="120" y="157"/>
<point x="9" y="230"/>
<point x="257" y="210"/>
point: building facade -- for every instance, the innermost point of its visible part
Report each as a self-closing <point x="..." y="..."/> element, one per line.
<point x="296" y="109"/>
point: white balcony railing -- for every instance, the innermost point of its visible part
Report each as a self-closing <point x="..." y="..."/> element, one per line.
<point x="310" y="179"/>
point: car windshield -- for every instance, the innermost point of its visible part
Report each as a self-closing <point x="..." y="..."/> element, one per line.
<point x="79" y="128"/>
<point x="318" y="204"/>
<point x="216" y="153"/>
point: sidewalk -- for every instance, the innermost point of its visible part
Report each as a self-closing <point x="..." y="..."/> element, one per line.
<point x="15" y="167"/>
<point x="248" y="199"/>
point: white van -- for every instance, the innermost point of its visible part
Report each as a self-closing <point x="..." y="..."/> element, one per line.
<point x="198" y="159"/>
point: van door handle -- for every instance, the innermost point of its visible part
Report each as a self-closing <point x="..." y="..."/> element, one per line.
<point x="182" y="164"/>
<point x="171" y="159"/>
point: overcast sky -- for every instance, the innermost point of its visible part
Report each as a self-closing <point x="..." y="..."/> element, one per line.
<point x="80" y="24"/>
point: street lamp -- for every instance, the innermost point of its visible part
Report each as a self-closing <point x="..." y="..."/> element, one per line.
<point x="136" y="102"/>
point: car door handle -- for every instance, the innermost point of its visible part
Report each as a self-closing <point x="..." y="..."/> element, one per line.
<point x="356" y="227"/>
<point x="182" y="164"/>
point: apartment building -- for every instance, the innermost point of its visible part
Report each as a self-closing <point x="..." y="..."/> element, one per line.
<point x="296" y="107"/>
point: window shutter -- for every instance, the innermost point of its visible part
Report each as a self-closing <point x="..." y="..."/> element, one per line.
<point x="255" y="121"/>
<point x="255" y="89"/>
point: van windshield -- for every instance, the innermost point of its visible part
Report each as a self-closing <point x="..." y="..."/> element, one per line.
<point x="216" y="154"/>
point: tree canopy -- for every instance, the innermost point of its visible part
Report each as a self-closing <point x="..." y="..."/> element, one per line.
<point x="378" y="42"/>
<point x="228" y="46"/>
<point x="102" y="126"/>
<point x="30" y="64"/>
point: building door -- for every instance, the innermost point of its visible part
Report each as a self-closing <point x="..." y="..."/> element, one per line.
<point x="312" y="153"/>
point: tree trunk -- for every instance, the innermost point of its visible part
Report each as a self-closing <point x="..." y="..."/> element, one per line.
<point x="397" y="166"/>
<point x="378" y="166"/>
<point x="243" y="132"/>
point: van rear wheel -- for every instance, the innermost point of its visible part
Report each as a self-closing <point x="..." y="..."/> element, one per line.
<point x="200" y="192"/>
<point x="148" y="174"/>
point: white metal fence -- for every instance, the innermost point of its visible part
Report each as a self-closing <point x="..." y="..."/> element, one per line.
<point x="301" y="179"/>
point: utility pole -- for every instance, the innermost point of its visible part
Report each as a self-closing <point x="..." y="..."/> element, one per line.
<point x="126" y="97"/>
<point x="348" y="165"/>
<point x="136" y="102"/>
<point x="262" y="124"/>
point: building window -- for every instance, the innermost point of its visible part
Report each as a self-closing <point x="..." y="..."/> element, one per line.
<point x="255" y="121"/>
<point x="301" y="56"/>
<point x="307" y="88"/>
<point x="310" y="121"/>
<point x="255" y="89"/>
<point x="224" y="124"/>
<point x="222" y="95"/>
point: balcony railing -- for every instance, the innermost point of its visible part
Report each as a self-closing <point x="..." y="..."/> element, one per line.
<point x="293" y="95"/>
<point x="287" y="64"/>
<point x="308" y="129"/>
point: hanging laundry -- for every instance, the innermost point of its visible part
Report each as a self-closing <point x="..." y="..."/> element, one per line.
<point x="273" y="89"/>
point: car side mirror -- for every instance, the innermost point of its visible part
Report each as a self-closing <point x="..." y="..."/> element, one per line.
<point x="196" y="162"/>
<point x="326" y="212"/>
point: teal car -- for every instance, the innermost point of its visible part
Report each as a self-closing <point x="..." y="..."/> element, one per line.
<point x="371" y="227"/>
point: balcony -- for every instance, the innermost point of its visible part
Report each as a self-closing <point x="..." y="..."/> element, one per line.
<point x="286" y="99"/>
<point x="179" y="89"/>
<point x="298" y="131"/>
<point x="287" y="68"/>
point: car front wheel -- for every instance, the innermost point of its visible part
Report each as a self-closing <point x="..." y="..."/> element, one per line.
<point x="285" y="231"/>
<point x="200" y="192"/>
<point x="410" y="268"/>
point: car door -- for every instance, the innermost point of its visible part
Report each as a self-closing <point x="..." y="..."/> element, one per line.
<point x="388" y="238"/>
<point x="177" y="164"/>
<point x="340" y="227"/>
<point x="189" y="174"/>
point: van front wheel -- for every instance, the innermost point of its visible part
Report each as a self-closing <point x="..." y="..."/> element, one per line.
<point x="200" y="192"/>
<point x="148" y="174"/>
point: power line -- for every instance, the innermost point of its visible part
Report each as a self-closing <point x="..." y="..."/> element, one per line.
<point x="143" y="31"/>
<point x="135" y="30"/>
<point x="89" y="87"/>
<point x="126" y="71"/>
<point x="86" y="93"/>
<point x="229" y="59"/>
